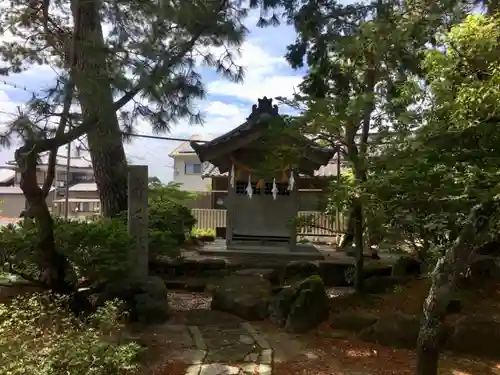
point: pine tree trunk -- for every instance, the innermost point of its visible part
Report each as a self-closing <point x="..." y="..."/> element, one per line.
<point x="53" y="267"/>
<point x="96" y="99"/>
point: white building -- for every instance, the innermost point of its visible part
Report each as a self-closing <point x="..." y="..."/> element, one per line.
<point x="188" y="168"/>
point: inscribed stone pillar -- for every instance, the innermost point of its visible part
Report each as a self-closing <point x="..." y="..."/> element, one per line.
<point x="138" y="218"/>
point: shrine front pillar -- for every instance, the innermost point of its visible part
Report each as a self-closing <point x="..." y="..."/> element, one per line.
<point x="230" y="207"/>
<point x="294" y="197"/>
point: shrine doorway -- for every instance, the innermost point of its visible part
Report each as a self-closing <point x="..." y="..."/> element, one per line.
<point x="263" y="215"/>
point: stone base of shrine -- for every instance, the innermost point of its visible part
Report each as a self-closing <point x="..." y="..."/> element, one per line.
<point x="298" y="252"/>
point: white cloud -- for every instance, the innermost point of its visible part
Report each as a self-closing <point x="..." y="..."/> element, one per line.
<point x="8" y="109"/>
<point x="219" y="108"/>
<point x="262" y="75"/>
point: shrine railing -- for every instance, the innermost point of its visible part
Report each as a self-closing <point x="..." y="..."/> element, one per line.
<point x="321" y="224"/>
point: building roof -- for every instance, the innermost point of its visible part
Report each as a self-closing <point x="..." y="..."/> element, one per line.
<point x="84" y="186"/>
<point x="14" y="190"/>
<point x="82" y="200"/>
<point x="218" y="151"/>
<point x="75" y="161"/>
<point x="263" y="109"/>
<point x="7" y="174"/>
<point x="185" y="147"/>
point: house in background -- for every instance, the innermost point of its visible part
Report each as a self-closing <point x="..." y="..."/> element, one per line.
<point x="83" y="196"/>
<point x="188" y="168"/>
<point x="188" y="172"/>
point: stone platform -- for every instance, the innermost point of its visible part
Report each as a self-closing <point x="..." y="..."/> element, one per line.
<point x="300" y="252"/>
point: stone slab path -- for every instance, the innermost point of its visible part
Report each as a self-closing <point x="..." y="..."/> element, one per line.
<point x="216" y="343"/>
<point x="226" y="345"/>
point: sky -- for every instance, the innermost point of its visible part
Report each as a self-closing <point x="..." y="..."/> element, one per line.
<point x="225" y="107"/>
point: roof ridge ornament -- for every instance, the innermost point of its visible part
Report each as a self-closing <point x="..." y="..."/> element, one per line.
<point x="264" y="106"/>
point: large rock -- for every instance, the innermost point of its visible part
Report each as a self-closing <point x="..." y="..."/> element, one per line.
<point x="406" y="266"/>
<point x="476" y="334"/>
<point x="146" y="299"/>
<point x="300" y="269"/>
<point x="269" y="274"/>
<point x="333" y="273"/>
<point x="382" y="284"/>
<point x="353" y="321"/>
<point x="484" y="269"/>
<point x="397" y="330"/>
<point x="244" y="296"/>
<point x="10" y="289"/>
<point x="301" y="306"/>
<point x="281" y="304"/>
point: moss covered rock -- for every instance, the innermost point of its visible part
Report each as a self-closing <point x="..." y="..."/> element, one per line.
<point x="244" y="296"/>
<point x="301" y="306"/>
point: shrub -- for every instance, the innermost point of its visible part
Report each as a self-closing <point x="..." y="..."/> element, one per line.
<point x="169" y="220"/>
<point x="39" y="337"/>
<point x="97" y="250"/>
<point x="203" y="234"/>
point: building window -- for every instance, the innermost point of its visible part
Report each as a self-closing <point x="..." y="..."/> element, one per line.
<point x="87" y="207"/>
<point x="81" y="177"/>
<point x="192" y="168"/>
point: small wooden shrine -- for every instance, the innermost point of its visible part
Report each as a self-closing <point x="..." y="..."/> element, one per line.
<point x="260" y="212"/>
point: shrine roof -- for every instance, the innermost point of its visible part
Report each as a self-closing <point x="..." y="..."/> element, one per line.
<point x="255" y="123"/>
<point x="263" y="109"/>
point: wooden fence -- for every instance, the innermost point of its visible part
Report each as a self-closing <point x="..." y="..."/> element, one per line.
<point x="321" y="224"/>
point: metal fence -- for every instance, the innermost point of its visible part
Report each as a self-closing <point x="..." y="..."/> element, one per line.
<point x="318" y="224"/>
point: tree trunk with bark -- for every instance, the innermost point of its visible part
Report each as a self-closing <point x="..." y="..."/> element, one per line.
<point x="54" y="268"/>
<point x="357" y="209"/>
<point x="445" y="279"/>
<point x="92" y="79"/>
<point x="348" y="239"/>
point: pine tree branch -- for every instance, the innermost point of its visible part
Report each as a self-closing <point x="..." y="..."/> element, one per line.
<point x="51" y="170"/>
<point x="163" y="68"/>
<point x="68" y="99"/>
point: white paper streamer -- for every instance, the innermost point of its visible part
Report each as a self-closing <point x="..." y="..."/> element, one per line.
<point x="232" y="176"/>
<point x="291" y="181"/>
<point x="249" y="187"/>
<point x="275" y="189"/>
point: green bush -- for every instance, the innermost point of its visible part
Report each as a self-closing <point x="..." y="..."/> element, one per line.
<point x="203" y="233"/>
<point x="170" y="220"/>
<point x="39" y="337"/>
<point x="98" y="251"/>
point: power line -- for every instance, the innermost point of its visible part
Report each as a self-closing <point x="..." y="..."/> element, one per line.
<point x="178" y="139"/>
<point x="161" y="138"/>
<point x="18" y="86"/>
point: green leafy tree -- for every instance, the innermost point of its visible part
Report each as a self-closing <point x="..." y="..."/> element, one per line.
<point x="440" y="186"/>
<point x="364" y="62"/>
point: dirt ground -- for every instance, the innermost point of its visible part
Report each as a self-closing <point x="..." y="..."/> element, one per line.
<point x="409" y="299"/>
<point x="323" y="352"/>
